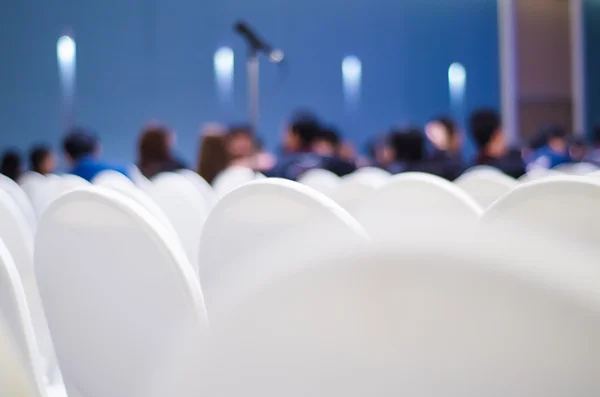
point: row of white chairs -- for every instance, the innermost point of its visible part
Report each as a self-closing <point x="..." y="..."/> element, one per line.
<point x="94" y="245"/>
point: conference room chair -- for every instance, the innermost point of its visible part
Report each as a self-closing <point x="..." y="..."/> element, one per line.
<point x="415" y="199"/>
<point x="486" y="186"/>
<point x="123" y="303"/>
<point x="428" y="315"/>
<point x="562" y="208"/>
<point x="321" y="180"/>
<point x="370" y="175"/>
<point x="18" y="240"/>
<point x="539" y="173"/>
<point x="185" y="207"/>
<point x="231" y="178"/>
<point x="19" y="196"/>
<point x="577" y="169"/>
<point x="250" y="224"/>
<point x="200" y="183"/>
<point x="353" y="190"/>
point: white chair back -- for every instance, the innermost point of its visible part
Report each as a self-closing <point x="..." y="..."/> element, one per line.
<point x="29" y="182"/>
<point x="185" y="207"/>
<point x="19" y="196"/>
<point x="432" y="315"/>
<point x="232" y="178"/>
<point x="351" y="193"/>
<point x="200" y="183"/>
<point x="577" y="169"/>
<point x="565" y="208"/>
<point x="124" y="307"/>
<point x="370" y="175"/>
<point x="414" y="198"/>
<point x="18" y="239"/>
<point x="249" y="222"/>
<point x="486" y="186"/>
<point x="15" y="312"/>
<point x="321" y="180"/>
<point x="539" y="173"/>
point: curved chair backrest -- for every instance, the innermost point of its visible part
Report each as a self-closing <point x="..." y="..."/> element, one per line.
<point x="455" y="320"/>
<point x="231" y="178"/>
<point x="351" y="193"/>
<point x="17" y="238"/>
<point x="29" y="181"/>
<point x="120" y="183"/>
<point x="122" y="302"/>
<point x="17" y="193"/>
<point x="15" y="312"/>
<point x="414" y="198"/>
<point x="538" y="174"/>
<point x="185" y="207"/>
<point x="200" y="183"/>
<point x="15" y="376"/>
<point x="564" y="207"/>
<point x="138" y="178"/>
<point x="369" y="175"/>
<point x="486" y="186"/>
<point x="321" y="180"/>
<point x="249" y="222"/>
<point x="577" y="169"/>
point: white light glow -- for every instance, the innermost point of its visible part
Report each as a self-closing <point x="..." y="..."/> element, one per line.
<point x="66" y="55"/>
<point x="65" y="50"/>
<point x="276" y="56"/>
<point x="457" y="77"/>
<point x="351" y="77"/>
<point x="223" y="63"/>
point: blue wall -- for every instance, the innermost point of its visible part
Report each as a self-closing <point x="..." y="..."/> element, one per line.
<point x="152" y="59"/>
<point x="592" y="62"/>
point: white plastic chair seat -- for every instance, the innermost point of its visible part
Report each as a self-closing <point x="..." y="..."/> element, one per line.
<point x="322" y="181"/>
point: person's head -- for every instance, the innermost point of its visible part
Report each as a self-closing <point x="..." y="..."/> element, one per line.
<point x="241" y="142"/>
<point x="381" y="152"/>
<point x="213" y="156"/>
<point x="326" y="142"/>
<point x="443" y="134"/>
<point x="408" y="145"/>
<point x="42" y="160"/>
<point x="578" y="148"/>
<point x="80" y="143"/>
<point x="556" y="137"/>
<point x="301" y="132"/>
<point x="154" y="145"/>
<point x="11" y="164"/>
<point x="486" y="128"/>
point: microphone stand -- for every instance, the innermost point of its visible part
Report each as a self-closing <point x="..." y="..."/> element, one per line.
<point x="252" y="69"/>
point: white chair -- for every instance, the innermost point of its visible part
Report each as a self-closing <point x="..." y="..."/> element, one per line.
<point x="123" y="305"/>
<point x="563" y="208"/>
<point x="29" y="181"/>
<point x="18" y="239"/>
<point x="139" y="179"/>
<point x="249" y="223"/>
<point x="120" y="183"/>
<point x="15" y="191"/>
<point x="48" y="190"/>
<point x="432" y="315"/>
<point x="577" y="169"/>
<point x="15" y="375"/>
<point x="200" y="183"/>
<point x="415" y="199"/>
<point x="321" y="180"/>
<point x="231" y="178"/>
<point x="486" y="186"/>
<point x="538" y="174"/>
<point x="185" y="207"/>
<point x="372" y="175"/>
<point x="352" y="192"/>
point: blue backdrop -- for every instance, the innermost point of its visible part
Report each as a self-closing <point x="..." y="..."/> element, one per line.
<point x="592" y="62"/>
<point x="153" y="59"/>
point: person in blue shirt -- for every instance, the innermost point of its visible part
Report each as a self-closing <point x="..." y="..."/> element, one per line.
<point x="82" y="152"/>
<point x="445" y="159"/>
<point x="554" y="152"/>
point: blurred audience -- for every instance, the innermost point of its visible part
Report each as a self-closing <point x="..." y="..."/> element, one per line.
<point x="11" y="164"/>
<point x="486" y="129"/>
<point x="554" y="150"/>
<point x="42" y="160"/>
<point x="155" y="151"/>
<point x="82" y="152"/>
<point x="446" y="159"/>
<point x="380" y="152"/>
<point x="409" y="151"/>
<point x="213" y="155"/>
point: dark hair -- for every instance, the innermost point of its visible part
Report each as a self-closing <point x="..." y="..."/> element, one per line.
<point x="11" y="164"/>
<point x="408" y="144"/>
<point x="241" y="129"/>
<point x="153" y="146"/>
<point x="329" y="134"/>
<point x="484" y="123"/>
<point x="79" y="143"/>
<point x="213" y="156"/>
<point x="37" y="155"/>
<point x="448" y="123"/>
<point x="306" y="131"/>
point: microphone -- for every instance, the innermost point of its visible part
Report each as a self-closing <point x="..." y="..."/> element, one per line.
<point x="256" y="43"/>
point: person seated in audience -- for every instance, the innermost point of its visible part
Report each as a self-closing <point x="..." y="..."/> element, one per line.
<point x="554" y="152"/>
<point x="42" y="160"/>
<point x="11" y="164"/>
<point x="578" y="148"/>
<point x="380" y="152"/>
<point x="155" y="151"/>
<point x="409" y="151"/>
<point x="245" y="149"/>
<point x="82" y="152"/>
<point x="326" y="143"/>
<point x="534" y="143"/>
<point x="213" y="154"/>
<point x="486" y="129"/>
<point x="446" y="159"/>
<point x="301" y="156"/>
